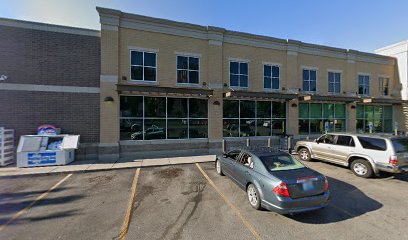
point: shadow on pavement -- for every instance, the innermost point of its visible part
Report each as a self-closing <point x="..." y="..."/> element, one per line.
<point x="346" y="202"/>
<point x="7" y="196"/>
<point x="55" y="215"/>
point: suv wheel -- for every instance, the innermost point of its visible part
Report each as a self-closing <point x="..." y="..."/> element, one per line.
<point x="361" y="168"/>
<point x="304" y="154"/>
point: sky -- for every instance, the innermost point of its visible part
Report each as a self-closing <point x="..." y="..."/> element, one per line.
<point x="363" y="25"/>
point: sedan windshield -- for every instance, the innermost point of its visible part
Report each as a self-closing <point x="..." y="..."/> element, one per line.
<point x="281" y="162"/>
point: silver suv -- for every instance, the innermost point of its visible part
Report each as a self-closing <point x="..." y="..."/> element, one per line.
<point x="366" y="155"/>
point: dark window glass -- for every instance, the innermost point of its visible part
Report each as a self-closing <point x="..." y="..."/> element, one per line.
<point x="136" y="73"/>
<point x="267" y="82"/>
<point x="155" y="107"/>
<point x="344" y="140"/>
<point x="316" y="126"/>
<point x="243" y="68"/>
<point x="263" y="109"/>
<point x="275" y="71"/>
<point x="136" y="58"/>
<point x="193" y="75"/>
<point x="198" y="128"/>
<point x="234" y="67"/>
<point x="131" y="129"/>
<point x="182" y="62"/>
<point x="400" y="144"/>
<point x="231" y="128"/>
<point x="247" y="128"/>
<point x="247" y="109"/>
<point x="182" y="76"/>
<point x="267" y="71"/>
<point x="278" y="127"/>
<point x="303" y="110"/>
<point x="263" y="127"/>
<point x="373" y="143"/>
<point x="234" y="80"/>
<point x="312" y="75"/>
<point x="275" y="83"/>
<point x="198" y="108"/>
<point x="278" y="109"/>
<point x="305" y="74"/>
<point x="177" y="107"/>
<point x="313" y="86"/>
<point x="177" y="129"/>
<point x="243" y="81"/>
<point x="193" y="63"/>
<point x="306" y="86"/>
<point x="131" y="106"/>
<point x="304" y="126"/>
<point x="328" y="110"/>
<point x="150" y="59"/>
<point x="315" y="110"/>
<point x="155" y="129"/>
<point x="233" y="154"/>
<point x="149" y="74"/>
<point x="231" y="109"/>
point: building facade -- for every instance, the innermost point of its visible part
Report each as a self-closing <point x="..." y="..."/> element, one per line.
<point x="168" y="85"/>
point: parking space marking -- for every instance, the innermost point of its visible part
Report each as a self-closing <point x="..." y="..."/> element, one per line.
<point x="21" y="212"/>
<point x="125" y="226"/>
<point x="232" y="206"/>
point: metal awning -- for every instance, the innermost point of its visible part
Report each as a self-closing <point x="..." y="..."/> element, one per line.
<point x="260" y="95"/>
<point x="124" y="88"/>
<point x="383" y="101"/>
<point x="330" y="98"/>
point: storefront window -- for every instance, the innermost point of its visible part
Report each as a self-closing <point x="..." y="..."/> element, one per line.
<point x="244" y="118"/>
<point x="379" y="116"/>
<point x="147" y="118"/>
<point x="314" y="116"/>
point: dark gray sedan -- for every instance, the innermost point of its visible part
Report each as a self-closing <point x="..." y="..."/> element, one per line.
<point x="275" y="180"/>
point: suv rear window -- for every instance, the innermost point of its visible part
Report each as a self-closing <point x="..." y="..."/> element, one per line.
<point x="373" y="143"/>
<point x="400" y="144"/>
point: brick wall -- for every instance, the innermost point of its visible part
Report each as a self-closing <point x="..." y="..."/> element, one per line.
<point x="40" y="57"/>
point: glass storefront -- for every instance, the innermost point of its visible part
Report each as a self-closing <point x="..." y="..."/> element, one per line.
<point x="244" y="118"/>
<point x="146" y="118"/>
<point x="313" y="117"/>
<point x="379" y="116"/>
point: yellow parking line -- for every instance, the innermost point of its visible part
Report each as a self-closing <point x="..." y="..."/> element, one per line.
<point x="128" y="216"/>
<point x="228" y="202"/>
<point x="21" y="212"/>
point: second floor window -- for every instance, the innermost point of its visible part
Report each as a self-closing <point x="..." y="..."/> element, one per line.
<point x="188" y="69"/>
<point x="334" y="82"/>
<point x="143" y="66"/>
<point x="384" y="86"/>
<point x="238" y="74"/>
<point x="309" y="80"/>
<point x="363" y="84"/>
<point x="271" y="77"/>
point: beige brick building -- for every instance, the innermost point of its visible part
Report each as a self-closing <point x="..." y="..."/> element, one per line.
<point x="167" y="85"/>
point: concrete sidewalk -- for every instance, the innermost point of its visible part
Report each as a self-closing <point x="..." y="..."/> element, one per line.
<point x="95" y="165"/>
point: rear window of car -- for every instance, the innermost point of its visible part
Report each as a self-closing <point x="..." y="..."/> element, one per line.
<point x="400" y="144"/>
<point x="281" y="162"/>
<point x="373" y="143"/>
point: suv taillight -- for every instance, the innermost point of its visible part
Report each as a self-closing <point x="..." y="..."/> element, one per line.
<point x="326" y="184"/>
<point x="282" y="190"/>
<point x="393" y="160"/>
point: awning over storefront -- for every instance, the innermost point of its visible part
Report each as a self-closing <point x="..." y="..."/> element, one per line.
<point x="331" y="98"/>
<point x="383" y="101"/>
<point x="136" y="89"/>
<point x="260" y="95"/>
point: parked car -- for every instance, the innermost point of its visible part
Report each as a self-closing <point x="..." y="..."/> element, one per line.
<point x="366" y="155"/>
<point x="275" y="180"/>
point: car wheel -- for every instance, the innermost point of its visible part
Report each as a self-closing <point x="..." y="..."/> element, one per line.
<point x="218" y="167"/>
<point x="254" y="197"/>
<point x="304" y="154"/>
<point x="361" y="168"/>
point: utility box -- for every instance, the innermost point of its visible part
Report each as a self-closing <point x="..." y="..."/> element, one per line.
<point x="6" y="146"/>
<point x="38" y="150"/>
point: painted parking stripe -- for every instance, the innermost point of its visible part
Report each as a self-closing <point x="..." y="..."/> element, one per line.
<point x="128" y="216"/>
<point x="232" y="206"/>
<point x="21" y="212"/>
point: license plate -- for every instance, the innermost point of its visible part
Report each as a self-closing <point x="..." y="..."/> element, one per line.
<point x="308" y="186"/>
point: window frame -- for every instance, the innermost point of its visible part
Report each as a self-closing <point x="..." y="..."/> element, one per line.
<point x="239" y="61"/>
<point x="188" y="56"/>
<point x="334" y="81"/>
<point x="272" y="77"/>
<point x="366" y="85"/>
<point x="304" y="68"/>
<point x="143" y="51"/>
<point x="381" y="87"/>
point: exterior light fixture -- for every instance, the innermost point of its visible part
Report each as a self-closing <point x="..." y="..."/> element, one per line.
<point x="367" y="100"/>
<point x="307" y="98"/>
<point x="108" y="99"/>
<point x="353" y="106"/>
<point x="124" y="78"/>
<point x="216" y="103"/>
<point x="294" y="105"/>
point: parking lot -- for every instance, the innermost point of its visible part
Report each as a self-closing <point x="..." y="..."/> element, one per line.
<point x="191" y="201"/>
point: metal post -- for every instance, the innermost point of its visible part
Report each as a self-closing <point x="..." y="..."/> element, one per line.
<point x="223" y="146"/>
<point x="247" y="142"/>
<point x="269" y="142"/>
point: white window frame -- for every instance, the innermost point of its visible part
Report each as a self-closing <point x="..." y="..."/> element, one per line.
<point x="309" y="69"/>
<point x="334" y="81"/>
<point x="130" y="61"/>
<point x="381" y="79"/>
<point x="229" y="73"/>
<point x="272" y="77"/>
<point x="366" y="85"/>
<point x="188" y="70"/>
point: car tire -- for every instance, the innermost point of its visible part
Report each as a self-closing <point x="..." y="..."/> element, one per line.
<point x="218" y="167"/>
<point x="361" y="168"/>
<point x="304" y="154"/>
<point x="253" y="196"/>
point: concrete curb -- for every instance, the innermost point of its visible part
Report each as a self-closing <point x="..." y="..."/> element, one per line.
<point x="95" y="166"/>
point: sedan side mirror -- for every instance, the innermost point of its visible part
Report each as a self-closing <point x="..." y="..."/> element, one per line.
<point x="316" y="141"/>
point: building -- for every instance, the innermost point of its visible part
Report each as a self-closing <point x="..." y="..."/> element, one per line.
<point x="144" y="86"/>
